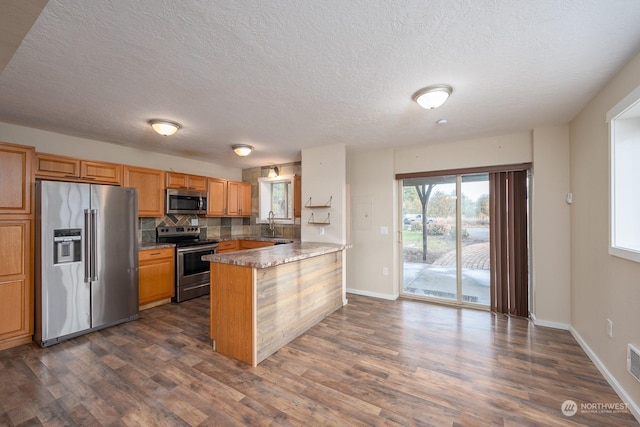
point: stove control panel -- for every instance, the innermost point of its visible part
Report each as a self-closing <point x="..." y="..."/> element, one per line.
<point x="166" y="231"/>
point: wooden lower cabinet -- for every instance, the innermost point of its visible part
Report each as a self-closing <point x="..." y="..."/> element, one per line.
<point x="252" y="244"/>
<point x="228" y="246"/>
<point x="256" y="311"/>
<point x="238" y="245"/>
<point x="156" y="284"/>
<point x="16" y="283"/>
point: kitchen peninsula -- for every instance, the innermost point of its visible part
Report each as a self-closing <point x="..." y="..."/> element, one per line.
<point x="261" y="299"/>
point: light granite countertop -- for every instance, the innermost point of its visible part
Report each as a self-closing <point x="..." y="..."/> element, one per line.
<point x="278" y="240"/>
<point x="154" y="245"/>
<point x="275" y="255"/>
<point x="261" y="239"/>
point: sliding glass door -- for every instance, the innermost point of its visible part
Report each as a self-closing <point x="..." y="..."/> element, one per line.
<point x="445" y="238"/>
<point x="475" y="274"/>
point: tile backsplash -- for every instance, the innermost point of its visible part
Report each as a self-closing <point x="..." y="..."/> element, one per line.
<point x="217" y="228"/>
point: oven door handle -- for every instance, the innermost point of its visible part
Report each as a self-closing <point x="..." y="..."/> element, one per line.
<point x="197" y="249"/>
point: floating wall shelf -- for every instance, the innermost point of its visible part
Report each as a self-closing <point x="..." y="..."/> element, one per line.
<point x="309" y="205"/>
<point x="313" y="221"/>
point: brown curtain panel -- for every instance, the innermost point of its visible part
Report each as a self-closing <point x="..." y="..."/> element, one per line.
<point x="509" y="248"/>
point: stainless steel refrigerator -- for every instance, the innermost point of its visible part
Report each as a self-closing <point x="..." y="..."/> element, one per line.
<point x="86" y="258"/>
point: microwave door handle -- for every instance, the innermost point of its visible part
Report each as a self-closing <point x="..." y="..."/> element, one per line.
<point x="200" y="204"/>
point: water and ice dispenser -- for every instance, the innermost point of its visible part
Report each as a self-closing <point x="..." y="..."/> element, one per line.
<point x="67" y="244"/>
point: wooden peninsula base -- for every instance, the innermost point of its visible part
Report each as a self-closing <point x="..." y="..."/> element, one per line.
<point x="261" y="299"/>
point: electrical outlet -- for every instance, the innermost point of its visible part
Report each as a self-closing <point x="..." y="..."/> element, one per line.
<point x="610" y="328"/>
<point x="321" y="231"/>
<point x="385" y="271"/>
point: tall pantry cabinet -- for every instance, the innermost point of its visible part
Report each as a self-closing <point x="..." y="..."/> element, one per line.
<point x="16" y="247"/>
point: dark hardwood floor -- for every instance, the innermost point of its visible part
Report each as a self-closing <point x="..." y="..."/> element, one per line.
<point x="373" y="362"/>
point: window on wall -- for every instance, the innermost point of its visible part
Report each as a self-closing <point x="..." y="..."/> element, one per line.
<point x="624" y="175"/>
<point x="275" y="197"/>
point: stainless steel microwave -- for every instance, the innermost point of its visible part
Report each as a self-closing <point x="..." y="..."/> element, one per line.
<point x="186" y="202"/>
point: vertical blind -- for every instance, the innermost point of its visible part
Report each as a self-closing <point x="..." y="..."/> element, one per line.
<point x="509" y="258"/>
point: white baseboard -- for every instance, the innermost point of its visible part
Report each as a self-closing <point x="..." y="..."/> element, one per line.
<point x="633" y="407"/>
<point x="372" y="294"/>
<point x="548" y="324"/>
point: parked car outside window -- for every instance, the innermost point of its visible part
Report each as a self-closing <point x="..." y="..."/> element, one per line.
<point x="409" y="218"/>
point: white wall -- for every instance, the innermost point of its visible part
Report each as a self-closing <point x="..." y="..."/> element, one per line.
<point x="371" y="177"/>
<point x="324" y="177"/>
<point x="551" y="228"/>
<point x="55" y="143"/>
<point x="489" y="151"/>
<point x="602" y="286"/>
<point x="372" y="188"/>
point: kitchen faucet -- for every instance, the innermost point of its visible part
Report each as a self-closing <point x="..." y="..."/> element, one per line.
<point x="272" y="224"/>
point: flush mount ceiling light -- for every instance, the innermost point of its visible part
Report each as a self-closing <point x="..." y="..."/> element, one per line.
<point x="273" y="172"/>
<point x="432" y="96"/>
<point x="242" y="150"/>
<point x="165" y="127"/>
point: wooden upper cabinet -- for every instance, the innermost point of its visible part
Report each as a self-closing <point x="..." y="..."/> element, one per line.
<point x="238" y="198"/>
<point x="197" y="183"/>
<point x="16" y="176"/>
<point x="297" y="196"/>
<point x="228" y="198"/>
<point x="109" y="173"/>
<point x="216" y="197"/>
<point x="245" y="199"/>
<point x="183" y="181"/>
<point x="52" y="166"/>
<point x="233" y="206"/>
<point x="150" y="186"/>
<point x="177" y="180"/>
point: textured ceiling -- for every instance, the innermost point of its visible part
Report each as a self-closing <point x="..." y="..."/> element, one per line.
<point x="283" y="75"/>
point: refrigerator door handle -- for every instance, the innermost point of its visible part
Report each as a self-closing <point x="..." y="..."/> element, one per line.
<point x="87" y="245"/>
<point x="94" y="244"/>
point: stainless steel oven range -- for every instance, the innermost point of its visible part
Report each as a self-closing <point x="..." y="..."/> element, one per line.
<point x="192" y="274"/>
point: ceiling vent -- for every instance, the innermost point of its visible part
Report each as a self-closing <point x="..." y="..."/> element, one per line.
<point x="633" y="361"/>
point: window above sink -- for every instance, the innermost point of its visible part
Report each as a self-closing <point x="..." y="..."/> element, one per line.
<point x="275" y="195"/>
